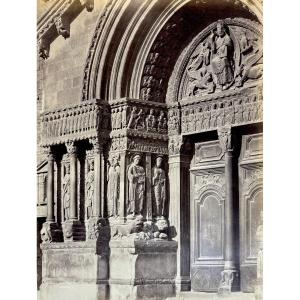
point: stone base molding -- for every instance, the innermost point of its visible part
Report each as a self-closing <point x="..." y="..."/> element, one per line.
<point x="229" y="282"/>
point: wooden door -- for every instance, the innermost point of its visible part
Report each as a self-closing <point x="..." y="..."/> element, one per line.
<point x="207" y="216"/>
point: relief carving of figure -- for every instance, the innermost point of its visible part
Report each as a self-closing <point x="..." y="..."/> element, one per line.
<point x="135" y="118"/>
<point x="159" y="187"/>
<point x="124" y="117"/>
<point x="66" y="192"/>
<point x="150" y="121"/>
<point x="90" y="178"/>
<point x="200" y="76"/>
<point x="222" y="58"/>
<point x="136" y="179"/>
<point x="113" y="187"/>
<point x="118" y="118"/>
<point x="162" y="122"/>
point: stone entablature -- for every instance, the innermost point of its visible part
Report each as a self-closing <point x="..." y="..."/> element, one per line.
<point x="81" y="121"/>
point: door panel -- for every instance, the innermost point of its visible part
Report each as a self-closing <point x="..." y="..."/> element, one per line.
<point x="251" y="207"/>
<point x="207" y="217"/>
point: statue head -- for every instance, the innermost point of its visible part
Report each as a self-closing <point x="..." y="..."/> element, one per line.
<point x="159" y="161"/>
<point x="136" y="159"/>
<point x="220" y="29"/>
<point x="151" y="111"/>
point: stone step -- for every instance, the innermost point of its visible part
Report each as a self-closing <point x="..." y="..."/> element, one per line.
<point x="212" y="296"/>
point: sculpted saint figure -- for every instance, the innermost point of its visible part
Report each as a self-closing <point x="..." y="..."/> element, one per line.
<point x="113" y="187"/>
<point x="221" y="62"/>
<point x="66" y="192"/>
<point x="150" y="121"/>
<point x="159" y="187"/>
<point x="162" y="122"/>
<point x="90" y="178"/>
<point x="136" y="178"/>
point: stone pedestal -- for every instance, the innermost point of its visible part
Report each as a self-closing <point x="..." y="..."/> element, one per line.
<point x="74" y="270"/>
<point x="142" y="269"/>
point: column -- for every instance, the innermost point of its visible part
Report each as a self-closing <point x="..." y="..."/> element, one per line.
<point x="71" y="148"/>
<point x="179" y="210"/>
<point x="97" y="218"/>
<point x="50" y="188"/>
<point x="72" y="227"/>
<point x="148" y="187"/>
<point x="50" y="231"/>
<point x="229" y="281"/>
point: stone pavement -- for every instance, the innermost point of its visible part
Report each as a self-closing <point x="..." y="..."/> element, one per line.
<point x="212" y="296"/>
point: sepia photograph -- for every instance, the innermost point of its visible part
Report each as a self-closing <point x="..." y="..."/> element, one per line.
<point x="149" y="119"/>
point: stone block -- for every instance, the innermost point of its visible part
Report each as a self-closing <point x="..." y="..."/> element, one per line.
<point x="142" y="269"/>
<point x="74" y="270"/>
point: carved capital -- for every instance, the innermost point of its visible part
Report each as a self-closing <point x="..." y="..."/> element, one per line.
<point x="62" y="27"/>
<point x="71" y="148"/>
<point x="43" y="48"/>
<point x="175" y="144"/>
<point x="97" y="145"/>
<point x="224" y="135"/>
<point x="89" y="4"/>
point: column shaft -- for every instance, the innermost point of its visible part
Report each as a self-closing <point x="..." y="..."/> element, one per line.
<point x="50" y="189"/>
<point x="229" y="214"/>
<point x="73" y="186"/>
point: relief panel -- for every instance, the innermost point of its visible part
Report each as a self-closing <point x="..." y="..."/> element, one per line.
<point x="208" y="151"/>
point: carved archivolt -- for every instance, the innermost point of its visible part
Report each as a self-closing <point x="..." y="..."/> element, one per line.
<point x="226" y="55"/>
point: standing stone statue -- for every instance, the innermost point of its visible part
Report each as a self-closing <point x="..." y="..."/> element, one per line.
<point x="66" y="192"/>
<point x="90" y="179"/>
<point x="159" y="187"/>
<point x="136" y="179"/>
<point x="222" y="62"/>
<point x="150" y="121"/>
<point x="113" y="187"/>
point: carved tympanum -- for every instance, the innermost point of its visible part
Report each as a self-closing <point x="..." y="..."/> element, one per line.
<point x="226" y="57"/>
<point x="159" y="187"/>
<point x="136" y="188"/>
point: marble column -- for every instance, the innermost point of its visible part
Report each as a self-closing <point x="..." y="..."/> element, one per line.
<point x="72" y="227"/>
<point x="179" y="211"/>
<point x="97" y="218"/>
<point x="229" y="277"/>
<point x="50" y="231"/>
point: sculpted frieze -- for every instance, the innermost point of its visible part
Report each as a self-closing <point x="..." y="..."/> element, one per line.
<point x="144" y="145"/>
<point x="229" y="111"/>
<point x="80" y="121"/>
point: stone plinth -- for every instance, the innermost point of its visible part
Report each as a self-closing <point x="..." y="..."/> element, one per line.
<point x="142" y="269"/>
<point x="74" y="270"/>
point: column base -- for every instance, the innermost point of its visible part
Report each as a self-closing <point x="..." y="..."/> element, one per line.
<point x="51" y="232"/>
<point x="73" y="230"/>
<point x="183" y="284"/>
<point x="229" y="282"/>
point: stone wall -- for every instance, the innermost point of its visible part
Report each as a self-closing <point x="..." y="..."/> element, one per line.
<point x="63" y="70"/>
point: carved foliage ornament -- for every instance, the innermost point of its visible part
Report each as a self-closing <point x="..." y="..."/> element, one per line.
<point x="224" y="135"/>
<point x="225" y="55"/>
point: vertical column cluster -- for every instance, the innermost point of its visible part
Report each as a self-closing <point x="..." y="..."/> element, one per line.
<point x="66" y="193"/>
